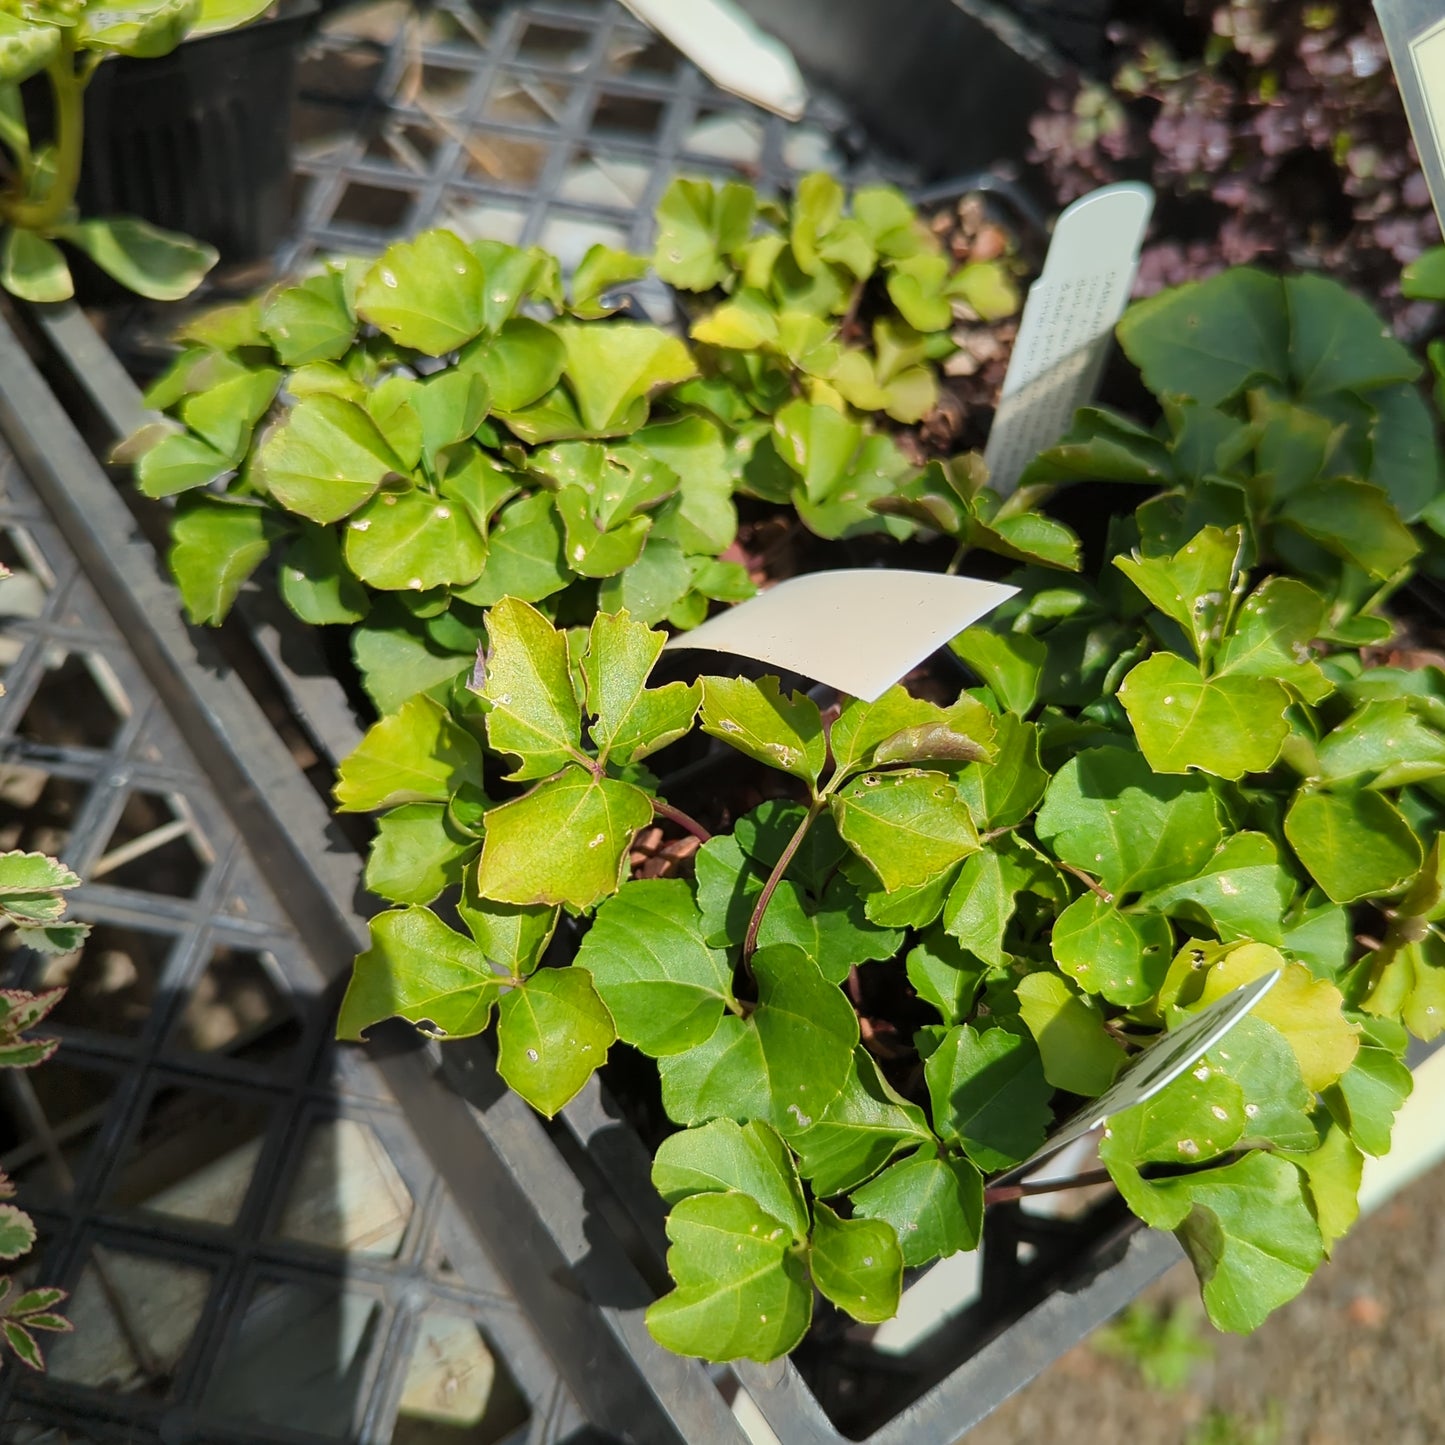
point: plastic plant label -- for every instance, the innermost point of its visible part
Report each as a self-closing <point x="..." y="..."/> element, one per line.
<point x="730" y="50"/>
<point x="860" y="629"/>
<point x="1067" y="325"/>
<point x="1414" y="33"/>
<point x="1154" y="1069"/>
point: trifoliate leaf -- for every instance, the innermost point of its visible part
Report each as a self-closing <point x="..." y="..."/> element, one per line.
<point x="417" y="755"/>
<point x="1355" y="845"/>
<point x="934" y="1205"/>
<point x="552" y="1033"/>
<point x="858" y="1264"/>
<point x="859" y="1132"/>
<point x="632" y="720"/>
<point x="533" y="708"/>
<point x="722" y="1156"/>
<point x="989" y="1094"/>
<point x="783" y="733"/>
<point x="944" y="975"/>
<point x="1108" y="814"/>
<point x="664" y="987"/>
<point x="325" y="459"/>
<point x="785" y="1063"/>
<point x="908" y="826"/>
<point x="416" y="853"/>
<point x="428" y="293"/>
<point x="1242" y="892"/>
<point x="979" y="908"/>
<point x="1306" y="1010"/>
<point x="420" y="970"/>
<point x="1227" y="725"/>
<point x="1077" y="1051"/>
<point x="565" y="841"/>
<point x="742" y="1290"/>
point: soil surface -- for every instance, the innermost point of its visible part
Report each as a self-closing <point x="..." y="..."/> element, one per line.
<point x="1358" y="1358"/>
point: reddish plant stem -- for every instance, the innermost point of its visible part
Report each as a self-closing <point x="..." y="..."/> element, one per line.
<point x="1091" y="884"/>
<point x="750" y="940"/>
<point x="676" y="815"/>
<point x="1006" y="1192"/>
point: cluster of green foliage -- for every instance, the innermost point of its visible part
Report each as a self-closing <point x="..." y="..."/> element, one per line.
<point x="64" y="41"/>
<point x="426" y="433"/>
<point x="1172" y="777"/>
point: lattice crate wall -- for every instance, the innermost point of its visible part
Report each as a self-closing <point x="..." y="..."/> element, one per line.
<point x="230" y="1199"/>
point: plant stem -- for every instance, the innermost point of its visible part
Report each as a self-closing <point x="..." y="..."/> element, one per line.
<point x="1090" y="883"/>
<point x="750" y="940"/>
<point x="676" y="815"/>
<point x="1004" y="1193"/>
<point x="67" y="91"/>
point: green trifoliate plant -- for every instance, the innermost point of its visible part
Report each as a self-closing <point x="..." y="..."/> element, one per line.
<point x="64" y="41"/>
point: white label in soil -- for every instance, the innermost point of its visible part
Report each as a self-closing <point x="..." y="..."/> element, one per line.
<point x="1067" y="324"/>
<point x="860" y="629"/>
<point x="1154" y="1069"/>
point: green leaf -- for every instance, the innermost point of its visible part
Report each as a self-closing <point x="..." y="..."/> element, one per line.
<point x="1337" y="342"/>
<point x="524" y="555"/>
<point x="692" y="447"/>
<point x="818" y="442"/>
<point x="420" y="970"/>
<point x="944" y="976"/>
<point x="1108" y="814"/>
<point x="916" y="288"/>
<point x="1242" y="892"/>
<point x="1355" y="845"/>
<point x="17" y="1232"/>
<point x="398" y="662"/>
<point x="224" y="415"/>
<point x="552" y="1034"/>
<point x="325" y="459"/>
<point x="934" y="1205"/>
<point x="1368" y="1095"/>
<point x="178" y="463"/>
<point x="417" y="755"/>
<point x="214" y="549"/>
<point x="1271" y="636"/>
<point x="218" y="16"/>
<point x="1077" y="1052"/>
<point x="785" y="1063"/>
<point x="1278" y="1104"/>
<point x="599" y="270"/>
<point x="979" y="908"/>
<point x="429" y="293"/>
<point x="859" y="1132"/>
<point x="27" y="1351"/>
<point x="141" y="28"/>
<point x="908" y="826"/>
<point x="514" y="939"/>
<point x="532" y="709"/>
<point x="1194" y="586"/>
<point x="754" y="718"/>
<point x="722" y="1156"/>
<point x="520" y="363"/>
<point x="1228" y="725"/>
<point x="1009" y="664"/>
<point x="858" y="1264"/>
<point x="742" y="1292"/>
<point x="631" y="719"/>
<point x="1198" y="1116"/>
<point x="31" y="267"/>
<point x="524" y="859"/>
<point x="417" y="852"/>
<point x="1353" y="520"/>
<point x="698" y="229"/>
<point x="1004" y="793"/>
<point x="1333" y="1172"/>
<point x="664" y="986"/>
<point x="989" y="1094"/>
<point x="159" y="265"/>
<point x="315" y="583"/>
<point x="1209" y="339"/>
<point x="25" y="50"/>
<point x="1383" y="741"/>
<point x="513" y="274"/>
<point x="310" y="322"/>
<point x="613" y="369"/>
<point x="450" y="406"/>
<point x="413" y="541"/>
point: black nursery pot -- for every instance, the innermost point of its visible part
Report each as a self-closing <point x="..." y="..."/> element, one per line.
<point x="199" y="141"/>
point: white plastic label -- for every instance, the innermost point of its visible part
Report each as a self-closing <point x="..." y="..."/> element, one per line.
<point x="1067" y="324"/>
<point x="859" y="629"/>
<point x="1414" y="32"/>
<point x="1156" y="1068"/>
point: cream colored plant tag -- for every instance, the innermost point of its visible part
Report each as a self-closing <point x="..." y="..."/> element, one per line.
<point x="730" y="50"/>
<point x="1156" y="1068"/>
<point x="1067" y="325"/>
<point x="859" y="629"/>
<point x="1414" y="32"/>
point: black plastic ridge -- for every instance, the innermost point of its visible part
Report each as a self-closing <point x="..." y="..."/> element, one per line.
<point x="522" y="1202"/>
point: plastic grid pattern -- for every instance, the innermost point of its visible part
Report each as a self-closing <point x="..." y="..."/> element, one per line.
<point x="340" y="1262"/>
<point x="558" y="122"/>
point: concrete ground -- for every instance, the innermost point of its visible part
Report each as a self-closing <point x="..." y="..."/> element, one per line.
<point x="1357" y="1359"/>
